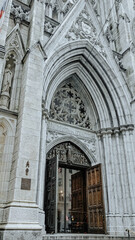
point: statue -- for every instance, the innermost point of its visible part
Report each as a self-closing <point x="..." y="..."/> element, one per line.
<point x="5" y="93"/>
<point x="7" y="80"/>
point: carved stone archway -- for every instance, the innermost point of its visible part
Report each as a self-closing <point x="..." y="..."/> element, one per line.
<point x="73" y="192"/>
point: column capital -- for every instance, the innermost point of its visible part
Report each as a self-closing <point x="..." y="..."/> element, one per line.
<point x="106" y="131"/>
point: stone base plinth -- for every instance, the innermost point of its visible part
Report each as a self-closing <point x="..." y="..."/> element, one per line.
<point x="20" y="235"/>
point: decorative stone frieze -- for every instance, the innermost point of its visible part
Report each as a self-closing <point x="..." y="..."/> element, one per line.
<point x="83" y="28"/>
<point x="89" y="142"/>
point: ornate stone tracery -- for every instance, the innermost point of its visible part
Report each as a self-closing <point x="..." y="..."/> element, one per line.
<point x="67" y="106"/>
<point x="70" y="154"/>
<point x="83" y="28"/>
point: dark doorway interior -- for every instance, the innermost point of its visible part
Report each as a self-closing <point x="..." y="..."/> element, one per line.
<point x="72" y="212"/>
<point x="73" y="192"/>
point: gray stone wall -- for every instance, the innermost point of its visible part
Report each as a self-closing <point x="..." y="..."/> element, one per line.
<point x="45" y="43"/>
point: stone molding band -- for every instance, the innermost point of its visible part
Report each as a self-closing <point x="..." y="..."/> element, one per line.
<point x="116" y="130"/>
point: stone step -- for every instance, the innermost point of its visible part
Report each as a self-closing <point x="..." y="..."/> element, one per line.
<point x="83" y="237"/>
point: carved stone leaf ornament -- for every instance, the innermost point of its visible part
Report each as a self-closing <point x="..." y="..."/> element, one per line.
<point x="83" y="28"/>
<point x="49" y="27"/>
<point x="19" y="13"/>
<point x="67" y="106"/>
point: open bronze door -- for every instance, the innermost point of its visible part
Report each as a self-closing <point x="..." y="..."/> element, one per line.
<point x="78" y="205"/>
<point x="51" y="195"/>
<point x="96" y="213"/>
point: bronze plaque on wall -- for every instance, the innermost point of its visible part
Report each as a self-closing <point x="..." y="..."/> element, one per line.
<point x="26" y="184"/>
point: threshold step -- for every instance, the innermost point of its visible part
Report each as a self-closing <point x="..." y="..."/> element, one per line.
<point x="84" y="237"/>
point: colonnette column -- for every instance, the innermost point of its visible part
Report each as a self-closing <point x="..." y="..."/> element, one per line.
<point x="42" y="167"/>
<point x="116" y="153"/>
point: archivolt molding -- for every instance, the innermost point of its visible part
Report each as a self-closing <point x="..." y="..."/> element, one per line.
<point x="75" y="141"/>
<point x="106" y="89"/>
<point x="87" y="80"/>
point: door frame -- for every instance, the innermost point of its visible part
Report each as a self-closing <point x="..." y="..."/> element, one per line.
<point x="68" y="165"/>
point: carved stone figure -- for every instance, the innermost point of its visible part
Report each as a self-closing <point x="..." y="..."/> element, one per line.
<point x="5" y="93"/>
<point x="7" y="79"/>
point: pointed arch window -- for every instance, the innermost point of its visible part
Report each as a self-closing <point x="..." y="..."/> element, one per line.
<point x="67" y="106"/>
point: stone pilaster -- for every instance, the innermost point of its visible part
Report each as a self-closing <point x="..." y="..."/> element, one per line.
<point x="116" y="153"/>
<point x="22" y="209"/>
<point x="42" y="167"/>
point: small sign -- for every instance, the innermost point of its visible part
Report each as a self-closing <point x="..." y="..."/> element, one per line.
<point x="26" y="184"/>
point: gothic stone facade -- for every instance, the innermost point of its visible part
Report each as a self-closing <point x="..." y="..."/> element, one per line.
<point x="50" y="49"/>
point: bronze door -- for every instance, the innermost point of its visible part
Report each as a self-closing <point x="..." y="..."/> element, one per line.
<point x="51" y="195"/>
<point x="78" y="205"/>
<point x="96" y="214"/>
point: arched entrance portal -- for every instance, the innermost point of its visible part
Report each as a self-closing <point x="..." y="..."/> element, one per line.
<point x="73" y="195"/>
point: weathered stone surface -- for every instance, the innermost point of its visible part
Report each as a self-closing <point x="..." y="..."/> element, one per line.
<point x="44" y="46"/>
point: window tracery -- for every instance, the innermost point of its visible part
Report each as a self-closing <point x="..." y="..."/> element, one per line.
<point x="67" y="106"/>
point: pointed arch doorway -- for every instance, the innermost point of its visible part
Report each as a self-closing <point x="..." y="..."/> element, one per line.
<point x="73" y="192"/>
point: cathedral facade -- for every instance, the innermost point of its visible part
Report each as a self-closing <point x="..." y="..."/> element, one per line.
<point x="67" y="115"/>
